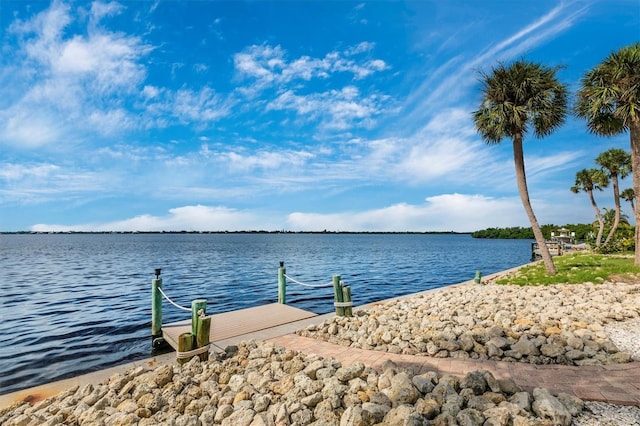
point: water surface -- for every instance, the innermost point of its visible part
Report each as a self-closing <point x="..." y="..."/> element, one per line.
<point x="76" y="303"/>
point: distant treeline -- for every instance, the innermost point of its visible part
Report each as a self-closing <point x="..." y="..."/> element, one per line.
<point x="237" y="232"/>
<point x="582" y="231"/>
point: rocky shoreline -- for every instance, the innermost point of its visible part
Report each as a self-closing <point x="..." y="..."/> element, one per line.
<point x="557" y="324"/>
<point x="258" y="384"/>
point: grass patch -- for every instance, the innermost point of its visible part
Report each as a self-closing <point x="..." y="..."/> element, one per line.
<point x="576" y="269"/>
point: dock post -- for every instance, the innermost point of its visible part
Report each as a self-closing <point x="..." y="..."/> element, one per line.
<point x="478" y="278"/>
<point x="185" y="344"/>
<point x="156" y="305"/>
<point x="346" y="296"/>
<point x="202" y="338"/>
<point x="196" y="306"/>
<point x="337" y="292"/>
<point x="282" y="284"/>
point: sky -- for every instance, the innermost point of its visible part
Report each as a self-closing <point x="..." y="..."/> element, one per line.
<point x="287" y="115"/>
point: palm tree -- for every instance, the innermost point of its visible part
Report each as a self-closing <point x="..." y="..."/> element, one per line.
<point x="629" y="195"/>
<point x="515" y="98"/>
<point x="609" y="216"/>
<point x="615" y="162"/>
<point x="609" y="99"/>
<point x="588" y="180"/>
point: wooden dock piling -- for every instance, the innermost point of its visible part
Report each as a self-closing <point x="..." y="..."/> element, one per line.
<point x="156" y="305"/>
<point x="197" y="306"/>
<point x="202" y="336"/>
<point x="282" y="284"/>
<point x="338" y="296"/>
<point x="346" y="297"/>
<point x="185" y="344"/>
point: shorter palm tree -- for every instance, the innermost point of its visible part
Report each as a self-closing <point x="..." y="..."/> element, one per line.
<point x="629" y="195"/>
<point x="615" y="162"/>
<point x="610" y="218"/>
<point x="588" y="180"/>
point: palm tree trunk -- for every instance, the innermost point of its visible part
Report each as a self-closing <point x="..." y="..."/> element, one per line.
<point x="635" y="170"/>
<point x="521" y="178"/>
<point x="600" y="219"/>
<point x="616" y="200"/>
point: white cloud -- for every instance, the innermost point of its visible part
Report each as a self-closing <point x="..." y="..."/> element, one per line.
<point x="29" y="129"/>
<point x="445" y="212"/>
<point x="69" y="85"/>
<point x="111" y="122"/>
<point x="45" y="182"/>
<point x="12" y="172"/>
<point x="262" y="63"/>
<point x="268" y="65"/>
<point x="440" y="213"/>
<point x="65" y="81"/>
<point x="187" y="218"/>
<point x="264" y="160"/>
<point x="438" y="158"/>
<point x="101" y="9"/>
<point x="202" y="106"/>
<point x="335" y="109"/>
<point x="105" y="62"/>
<point x="362" y="47"/>
<point x="563" y="160"/>
<point x="151" y="92"/>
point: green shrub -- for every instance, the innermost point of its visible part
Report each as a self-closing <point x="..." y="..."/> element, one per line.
<point x="617" y="245"/>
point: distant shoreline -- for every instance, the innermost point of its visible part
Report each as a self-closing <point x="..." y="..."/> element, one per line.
<point x="237" y="232"/>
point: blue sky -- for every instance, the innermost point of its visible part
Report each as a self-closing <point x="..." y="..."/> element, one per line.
<point x="295" y="115"/>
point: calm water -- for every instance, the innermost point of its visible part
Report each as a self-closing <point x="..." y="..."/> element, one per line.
<point x="71" y="304"/>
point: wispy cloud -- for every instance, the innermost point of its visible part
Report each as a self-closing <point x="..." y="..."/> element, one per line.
<point x="335" y="110"/>
<point x="12" y="172"/>
<point x="558" y="161"/>
<point x="264" y="160"/>
<point x="268" y="65"/>
<point x="440" y="141"/>
<point x="451" y="82"/>
<point x="40" y="183"/>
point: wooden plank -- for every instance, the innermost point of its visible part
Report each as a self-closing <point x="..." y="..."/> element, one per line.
<point x="237" y="323"/>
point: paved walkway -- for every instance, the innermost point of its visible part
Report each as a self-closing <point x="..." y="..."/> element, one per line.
<point x="617" y="384"/>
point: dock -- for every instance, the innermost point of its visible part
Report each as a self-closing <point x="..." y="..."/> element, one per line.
<point x="230" y="325"/>
<point x="555" y="249"/>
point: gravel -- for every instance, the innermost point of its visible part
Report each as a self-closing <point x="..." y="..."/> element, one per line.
<point x="604" y="414"/>
<point x="626" y="336"/>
